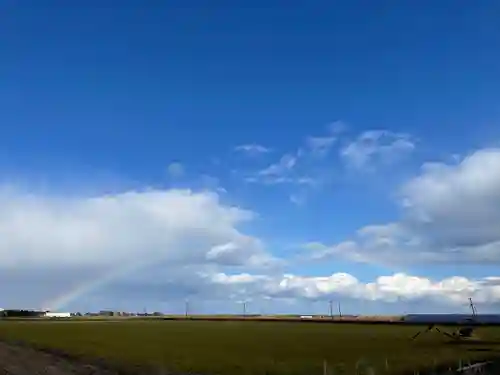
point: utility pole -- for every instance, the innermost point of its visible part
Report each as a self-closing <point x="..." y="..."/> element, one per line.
<point x="244" y="308"/>
<point x="186" y="308"/>
<point x="472" y="307"/>
<point x="340" y="312"/>
<point x="331" y="309"/>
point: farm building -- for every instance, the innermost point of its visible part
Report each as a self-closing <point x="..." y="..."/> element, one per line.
<point x="49" y="314"/>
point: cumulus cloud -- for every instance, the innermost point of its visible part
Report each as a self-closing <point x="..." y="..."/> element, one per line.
<point x="110" y="228"/>
<point x="42" y="235"/>
<point x="450" y="213"/>
<point x="460" y="203"/>
<point x="391" y="288"/>
<point x="400" y="290"/>
<point x="376" y="147"/>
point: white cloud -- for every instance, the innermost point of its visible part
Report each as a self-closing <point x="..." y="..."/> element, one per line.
<point x="302" y="166"/>
<point x="347" y="249"/>
<point x="183" y="240"/>
<point x="393" y="288"/>
<point x="175" y="169"/>
<point x="399" y="290"/>
<point x="320" y="146"/>
<point x="277" y="180"/>
<point x="282" y="167"/>
<point x="244" y="250"/>
<point x="42" y="235"/>
<point x="252" y="149"/>
<point x="450" y="213"/>
<point x="376" y="146"/>
<point x="281" y="172"/>
<point x="460" y="203"/>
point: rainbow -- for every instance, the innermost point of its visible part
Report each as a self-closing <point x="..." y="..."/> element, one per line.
<point x="83" y="289"/>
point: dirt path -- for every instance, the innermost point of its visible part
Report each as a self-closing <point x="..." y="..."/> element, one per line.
<point x="20" y="360"/>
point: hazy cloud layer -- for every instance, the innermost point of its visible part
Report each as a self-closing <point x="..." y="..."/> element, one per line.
<point x="318" y="159"/>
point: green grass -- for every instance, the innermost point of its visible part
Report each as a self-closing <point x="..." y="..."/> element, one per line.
<point x="244" y="347"/>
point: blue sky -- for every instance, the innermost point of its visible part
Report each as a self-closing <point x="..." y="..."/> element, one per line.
<point x="100" y="99"/>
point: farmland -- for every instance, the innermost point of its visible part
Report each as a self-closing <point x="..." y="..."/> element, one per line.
<point x="235" y="347"/>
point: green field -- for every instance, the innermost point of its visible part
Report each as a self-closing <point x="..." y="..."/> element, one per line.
<point x="227" y="347"/>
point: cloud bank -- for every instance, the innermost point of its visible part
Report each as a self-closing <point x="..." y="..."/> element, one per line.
<point x="85" y="237"/>
<point x="450" y="213"/>
<point x="56" y="249"/>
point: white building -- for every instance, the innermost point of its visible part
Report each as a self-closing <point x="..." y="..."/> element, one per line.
<point x="49" y="314"/>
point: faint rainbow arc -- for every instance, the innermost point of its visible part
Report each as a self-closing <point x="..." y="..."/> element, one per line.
<point x="84" y="288"/>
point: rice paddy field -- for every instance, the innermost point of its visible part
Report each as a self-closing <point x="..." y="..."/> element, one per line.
<point x="236" y="347"/>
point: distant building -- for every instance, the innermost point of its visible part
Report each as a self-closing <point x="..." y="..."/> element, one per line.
<point x="106" y="313"/>
<point x="58" y="315"/>
<point x="113" y="313"/>
<point x="15" y="313"/>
